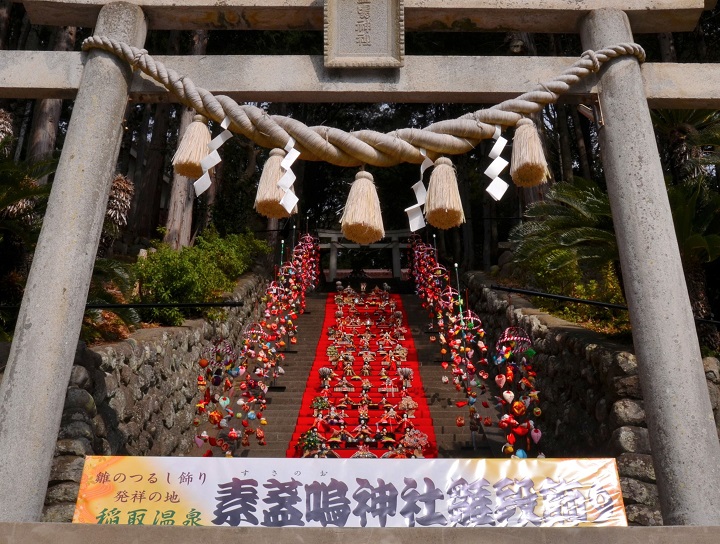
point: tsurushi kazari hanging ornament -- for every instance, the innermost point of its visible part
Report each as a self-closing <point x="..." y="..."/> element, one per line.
<point x="192" y="149"/>
<point x="517" y="397"/>
<point x="443" y="207"/>
<point x="362" y="219"/>
<point x="528" y="167"/>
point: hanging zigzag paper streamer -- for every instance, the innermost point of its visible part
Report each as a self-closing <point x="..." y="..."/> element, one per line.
<point x="203" y="183"/>
<point x="415" y="212"/>
<point x="289" y="200"/>
<point x="275" y="197"/>
<point x="269" y="193"/>
<point x="497" y="186"/>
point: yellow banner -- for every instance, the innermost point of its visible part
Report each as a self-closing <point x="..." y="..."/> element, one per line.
<point x="350" y="492"/>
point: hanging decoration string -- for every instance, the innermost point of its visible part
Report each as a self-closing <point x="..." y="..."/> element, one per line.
<point x="335" y="146"/>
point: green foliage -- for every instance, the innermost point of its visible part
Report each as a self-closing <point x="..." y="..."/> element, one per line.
<point x="572" y="227"/>
<point x="112" y="283"/>
<point x="233" y="253"/>
<point x="568" y="247"/>
<point x="22" y="206"/>
<point x="22" y="200"/>
<point x="201" y="273"/>
<point x="687" y="140"/>
<point x="571" y="280"/>
<point x="604" y="288"/>
<point x="232" y="211"/>
<point x="696" y="215"/>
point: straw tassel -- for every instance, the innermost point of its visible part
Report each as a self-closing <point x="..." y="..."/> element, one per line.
<point x="443" y="207"/>
<point x="528" y="167"/>
<point x="362" y="219"/>
<point x="192" y="149"/>
<point x="267" y="200"/>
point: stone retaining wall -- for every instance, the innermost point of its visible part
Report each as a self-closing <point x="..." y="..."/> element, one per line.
<point x="137" y="397"/>
<point x="589" y="391"/>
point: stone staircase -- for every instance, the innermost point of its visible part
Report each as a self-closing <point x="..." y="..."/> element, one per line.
<point x="452" y="441"/>
<point x="284" y="401"/>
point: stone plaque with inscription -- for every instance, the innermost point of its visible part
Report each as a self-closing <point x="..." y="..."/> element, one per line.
<point x="364" y="33"/>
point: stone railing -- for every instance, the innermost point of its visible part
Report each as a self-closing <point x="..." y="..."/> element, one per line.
<point x="590" y="392"/>
<point x="137" y="397"/>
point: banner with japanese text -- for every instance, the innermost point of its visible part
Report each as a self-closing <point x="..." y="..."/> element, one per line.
<point x="350" y="492"/>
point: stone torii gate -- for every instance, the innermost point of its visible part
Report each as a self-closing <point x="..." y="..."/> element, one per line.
<point x="682" y="432"/>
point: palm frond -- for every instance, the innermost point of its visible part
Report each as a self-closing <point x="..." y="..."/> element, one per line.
<point x="586" y="236"/>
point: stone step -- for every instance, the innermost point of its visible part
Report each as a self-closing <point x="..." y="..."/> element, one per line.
<point x="284" y="403"/>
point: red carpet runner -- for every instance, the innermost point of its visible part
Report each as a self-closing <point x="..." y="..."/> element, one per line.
<point x="351" y="422"/>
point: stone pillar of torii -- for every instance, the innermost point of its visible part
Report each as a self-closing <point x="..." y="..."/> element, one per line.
<point x="682" y="431"/>
<point x="32" y="393"/>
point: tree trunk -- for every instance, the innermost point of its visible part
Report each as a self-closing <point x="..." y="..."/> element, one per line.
<point x="211" y="197"/>
<point x="15" y="25"/>
<point x="270" y="259"/>
<point x="561" y="125"/>
<point x="667" y="47"/>
<point x="702" y="51"/>
<point x="123" y="164"/>
<point x="179" y="222"/>
<point x="457" y="246"/>
<point x="22" y="131"/>
<point x="6" y="30"/>
<point x="5" y="9"/>
<point x="583" y="156"/>
<point x="47" y="111"/>
<point x="708" y="334"/>
<point x="523" y="44"/>
<point x="137" y="171"/>
<point x="23" y="34"/>
<point x="29" y="40"/>
<point x="147" y="182"/>
<point x="441" y="246"/>
<point x="565" y="149"/>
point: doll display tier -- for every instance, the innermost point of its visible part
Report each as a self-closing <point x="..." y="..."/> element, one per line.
<point x="364" y="396"/>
